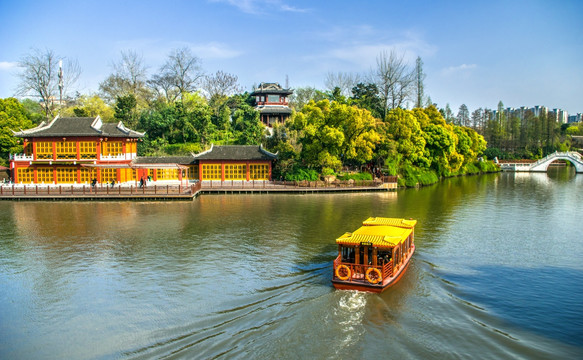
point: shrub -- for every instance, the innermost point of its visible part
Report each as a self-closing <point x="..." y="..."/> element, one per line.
<point x="356" y="176"/>
<point x="414" y="176"/>
<point x="301" y="174"/>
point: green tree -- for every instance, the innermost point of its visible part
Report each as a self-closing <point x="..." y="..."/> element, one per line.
<point x="333" y="134"/>
<point x="248" y="128"/>
<point x="91" y="106"/>
<point x="13" y="116"/>
<point x="301" y="96"/>
<point x="125" y="110"/>
<point x="366" y="96"/>
<point x="406" y="132"/>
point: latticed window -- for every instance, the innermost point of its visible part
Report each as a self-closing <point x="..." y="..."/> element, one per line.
<point x="87" y="174"/>
<point x="112" y="148"/>
<point x="28" y="149"/>
<point x="44" y="150"/>
<point x="25" y="175"/>
<point x="108" y="175"/>
<point x="211" y="172"/>
<point x="192" y="172"/>
<point x="235" y="172"/>
<point x="87" y="150"/>
<point x="66" y="150"/>
<point x="66" y="175"/>
<point x="44" y="175"/>
<point x="259" y="172"/>
<point x="168" y="174"/>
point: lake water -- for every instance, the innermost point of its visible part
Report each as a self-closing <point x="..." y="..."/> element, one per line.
<point x="498" y="274"/>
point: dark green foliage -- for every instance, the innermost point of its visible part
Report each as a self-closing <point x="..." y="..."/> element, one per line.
<point x="301" y="174"/>
<point x="13" y="116"/>
<point x="414" y="176"/>
<point x="356" y="176"/>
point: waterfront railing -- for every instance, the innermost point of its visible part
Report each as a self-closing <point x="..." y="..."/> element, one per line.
<point x="98" y="190"/>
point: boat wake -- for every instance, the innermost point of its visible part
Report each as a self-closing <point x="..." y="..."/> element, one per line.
<point x="349" y="315"/>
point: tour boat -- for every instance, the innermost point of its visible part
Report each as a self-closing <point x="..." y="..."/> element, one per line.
<point x="375" y="256"/>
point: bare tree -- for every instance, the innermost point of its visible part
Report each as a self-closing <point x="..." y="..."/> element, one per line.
<point x="344" y="81"/>
<point x="41" y="77"/>
<point x="221" y="83"/>
<point x="393" y="79"/>
<point x="184" y="69"/>
<point x="129" y="77"/>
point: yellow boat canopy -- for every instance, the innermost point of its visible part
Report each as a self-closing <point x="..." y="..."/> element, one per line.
<point x="408" y="224"/>
<point x="384" y="232"/>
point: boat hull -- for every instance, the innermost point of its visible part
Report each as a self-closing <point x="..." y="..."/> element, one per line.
<point x="376" y="288"/>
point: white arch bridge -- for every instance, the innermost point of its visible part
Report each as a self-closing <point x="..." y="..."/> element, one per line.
<point x="543" y="164"/>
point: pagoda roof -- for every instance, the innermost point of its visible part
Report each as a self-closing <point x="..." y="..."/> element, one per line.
<point x="236" y="152"/>
<point x="273" y="109"/>
<point x="78" y="126"/>
<point x="271" y="88"/>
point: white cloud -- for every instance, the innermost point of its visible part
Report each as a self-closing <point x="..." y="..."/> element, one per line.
<point x="258" y="7"/>
<point x="155" y="51"/>
<point x="8" y="65"/>
<point x="351" y="48"/>
<point x="460" y="69"/>
<point x="361" y="57"/>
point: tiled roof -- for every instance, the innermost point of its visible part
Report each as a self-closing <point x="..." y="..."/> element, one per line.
<point x="273" y="109"/>
<point x="271" y="88"/>
<point x="183" y="160"/>
<point x="236" y="152"/>
<point x="79" y="126"/>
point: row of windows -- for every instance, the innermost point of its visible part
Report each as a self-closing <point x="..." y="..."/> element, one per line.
<point x="87" y="149"/>
<point x="64" y="175"/>
<point x="112" y="148"/>
<point x="235" y="172"/>
<point x="209" y="172"/>
<point x="44" y="150"/>
<point x="66" y="150"/>
<point x="258" y="172"/>
<point x="168" y="174"/>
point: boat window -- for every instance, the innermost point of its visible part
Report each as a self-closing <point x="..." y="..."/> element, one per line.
<point x="384" y="256"/>
<point x="348" y="254"/>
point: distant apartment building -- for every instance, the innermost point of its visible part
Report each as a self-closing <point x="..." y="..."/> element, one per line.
<point x="575" y="118"/>
<point x="560" y="116"/>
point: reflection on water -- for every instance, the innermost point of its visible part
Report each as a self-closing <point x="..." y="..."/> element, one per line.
<point x="497" y="274"/>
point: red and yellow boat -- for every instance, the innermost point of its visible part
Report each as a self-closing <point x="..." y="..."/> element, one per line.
<point x="375" y="256"/>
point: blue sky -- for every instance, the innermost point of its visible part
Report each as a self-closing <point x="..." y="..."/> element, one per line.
<point x="474" y="52"/>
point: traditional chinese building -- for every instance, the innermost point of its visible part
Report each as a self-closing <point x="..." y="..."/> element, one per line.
<point x="75" y="150"/>
<point x="235" y="162"/>
<point x="271" y="100"/>
<point x="82" y="150"/>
